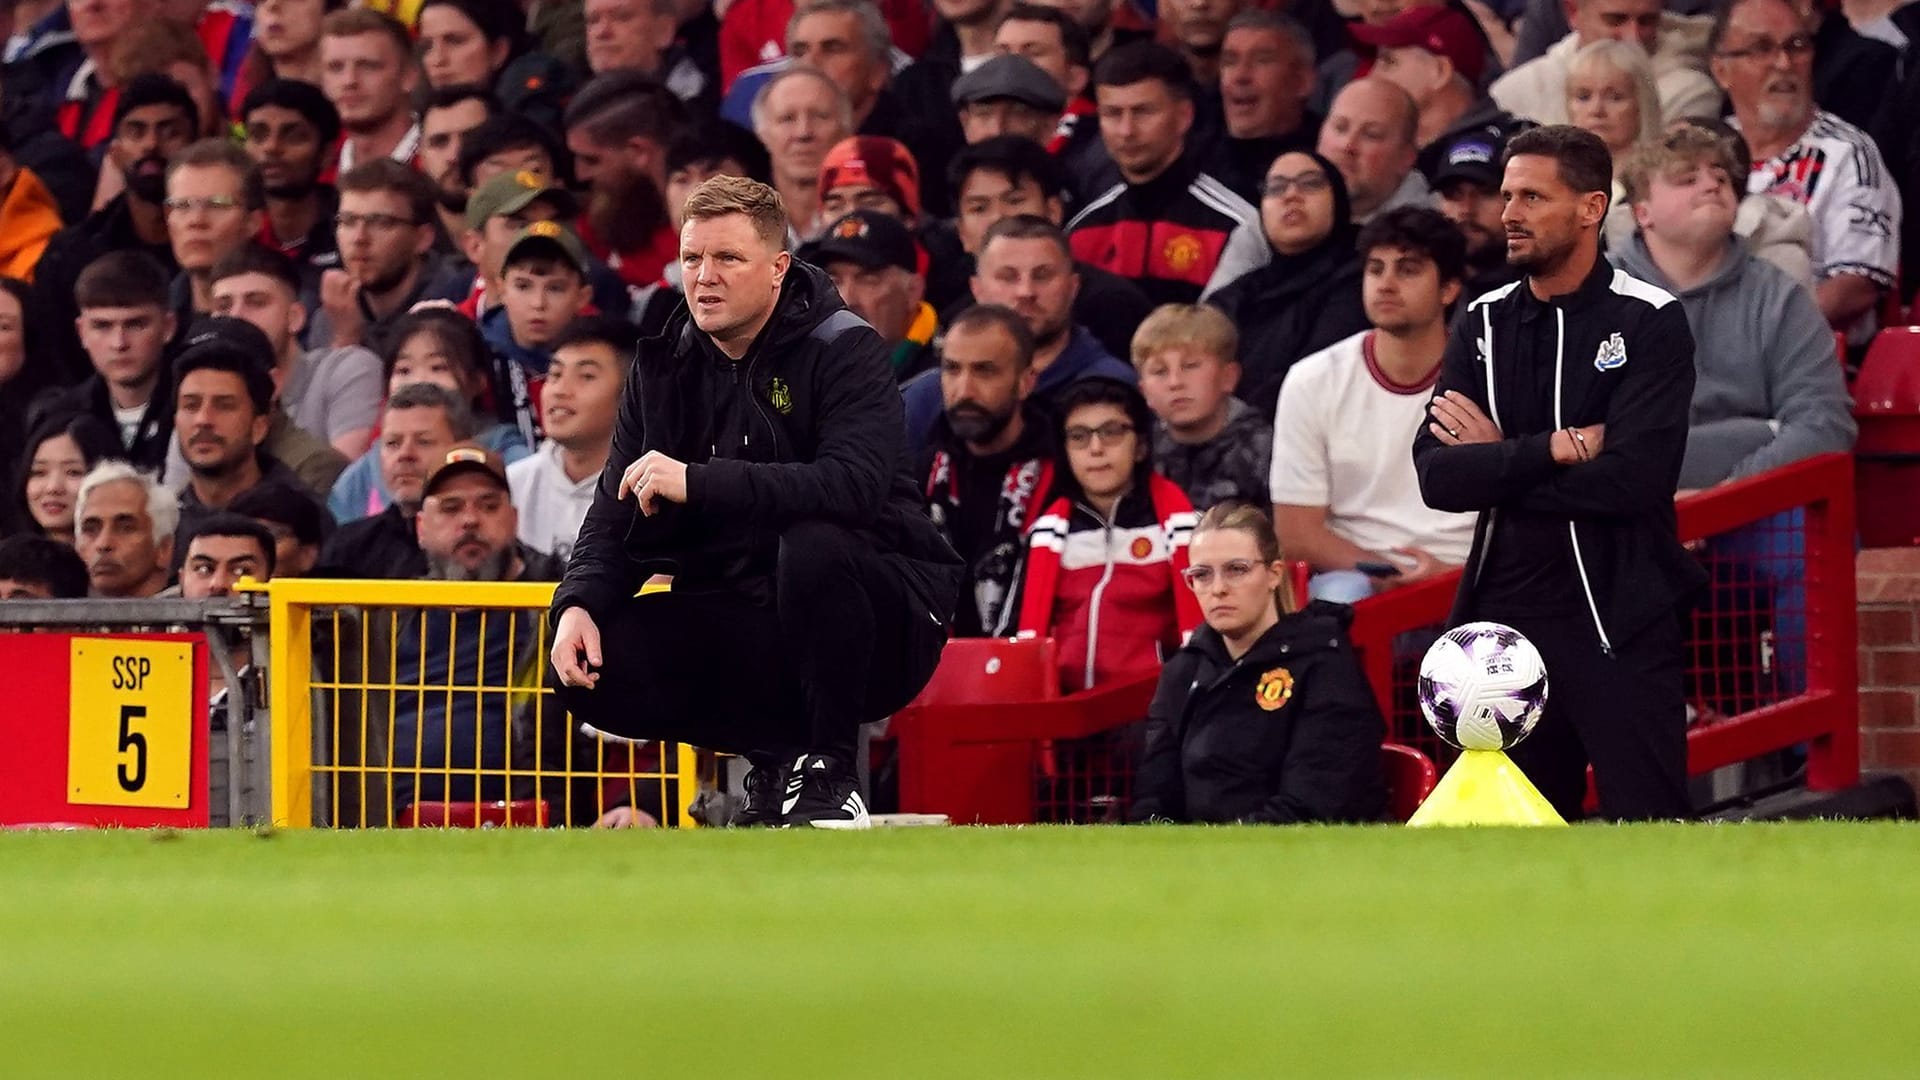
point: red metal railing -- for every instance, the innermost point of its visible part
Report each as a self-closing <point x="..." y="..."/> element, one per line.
<point x="1771" y="666"/>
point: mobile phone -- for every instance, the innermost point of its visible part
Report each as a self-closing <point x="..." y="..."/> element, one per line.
<point x="1377" y="569"/>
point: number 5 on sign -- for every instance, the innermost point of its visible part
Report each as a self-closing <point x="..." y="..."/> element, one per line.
<point x="130" y="732"/>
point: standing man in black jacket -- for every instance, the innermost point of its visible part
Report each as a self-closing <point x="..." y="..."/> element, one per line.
<point x="1561" y="416"/>
<point x="762" y="442"/>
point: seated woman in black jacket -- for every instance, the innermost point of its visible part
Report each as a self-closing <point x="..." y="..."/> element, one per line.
<point x="1264" y="715"/>
<point x="1307" y="296"/>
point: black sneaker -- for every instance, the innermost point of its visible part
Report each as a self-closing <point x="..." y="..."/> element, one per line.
<point x="762" y="807"/>
<point x="823" y="794"/>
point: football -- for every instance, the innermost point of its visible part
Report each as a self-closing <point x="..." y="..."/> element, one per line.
<point x="1482" y="686"/>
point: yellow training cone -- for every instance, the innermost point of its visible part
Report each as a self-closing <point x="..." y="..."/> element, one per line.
<point x="1484" y="787"/>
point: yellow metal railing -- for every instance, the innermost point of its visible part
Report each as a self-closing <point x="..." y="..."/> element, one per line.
<point x="365" y="674"/>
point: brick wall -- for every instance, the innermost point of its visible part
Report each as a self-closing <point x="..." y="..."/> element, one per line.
<point x="1889" y="581"/>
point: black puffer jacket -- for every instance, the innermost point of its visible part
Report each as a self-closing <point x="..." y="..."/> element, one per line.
<point x="1288" y="733"/>
<point x="808" y="425"/>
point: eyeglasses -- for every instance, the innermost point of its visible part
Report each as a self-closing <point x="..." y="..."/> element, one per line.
<point x="1233" y="572"/>
<point x="1112" y="431"/>
<point x="1311" y="183"/>
<point x="1797" y="47"/>
<point x="209" y="203"/>
<point x="378" y="222"/>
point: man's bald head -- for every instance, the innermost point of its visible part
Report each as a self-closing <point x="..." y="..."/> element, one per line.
<point x="1370" y="134"/>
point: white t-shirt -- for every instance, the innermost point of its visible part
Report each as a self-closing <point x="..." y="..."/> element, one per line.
<point x="1836" y="172"/>
<point x="1343" y="439"/>
<point x="551" y="506"/>
<point x="129" y="421"/>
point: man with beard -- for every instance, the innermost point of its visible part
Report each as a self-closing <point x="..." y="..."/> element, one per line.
<point x="1764" y="59"/>
<point x="385" y="234"/>
<point x="450" y="113"/>
<point x="215" y="206"/>
<point x="990" y="466"/>
<point x="154" y="119"/>
<point x="291" y="128"/>
<point x="367" y="71"/>
<point x="445" y="741"/>
<point x="1024" y="264"/>
<point x="1466" y="181"/>
<point x="1561" y="412"/>
<point x="222" y="406"/>
<point x="420" y="423"/>
<point x="619" y="127"/>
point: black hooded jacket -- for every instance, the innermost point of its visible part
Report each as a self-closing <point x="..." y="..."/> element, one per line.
<point x="808" y="425"/>
<point x="1288" y="733"/>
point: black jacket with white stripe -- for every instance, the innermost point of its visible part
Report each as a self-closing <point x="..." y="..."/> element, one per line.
<point x="1622" y="355"/>
<point x="1166" y="235"/>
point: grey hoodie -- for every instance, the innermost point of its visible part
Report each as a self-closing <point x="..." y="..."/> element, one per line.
<point x="1768" y="389"/>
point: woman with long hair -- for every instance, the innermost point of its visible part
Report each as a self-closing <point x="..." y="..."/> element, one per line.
<point x="485" y="43"/>
<point x="59" y="453"/>
<point x="430" y="345"/>
<point x="23" y="372"/>
<point x="1264" y="715"/>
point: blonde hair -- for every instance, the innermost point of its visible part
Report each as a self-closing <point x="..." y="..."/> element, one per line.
<point x="1256" y="522"/>
<point x="1629" y="59"/>
<point x="1194" y="326"/>
<point x="723" y="195"/>
<point x="1681" y="147"/>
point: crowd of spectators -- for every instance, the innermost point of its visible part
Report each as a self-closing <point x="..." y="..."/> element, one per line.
<point x="352" y="291"/>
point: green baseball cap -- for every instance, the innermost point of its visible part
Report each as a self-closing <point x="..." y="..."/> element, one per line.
<point x="510" y="192"/>
<point x="553" y="237"/>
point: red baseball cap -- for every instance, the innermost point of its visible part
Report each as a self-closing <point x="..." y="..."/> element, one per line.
<point x="1441" y="31"/>
<point x="881" y="162"/>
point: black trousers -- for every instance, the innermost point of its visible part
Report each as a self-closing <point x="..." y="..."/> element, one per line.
<point x="844" y="642"/>
<point x="1626" y="715"/>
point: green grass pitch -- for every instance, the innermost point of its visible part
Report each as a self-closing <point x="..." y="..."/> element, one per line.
<point x="1710" y="951"/>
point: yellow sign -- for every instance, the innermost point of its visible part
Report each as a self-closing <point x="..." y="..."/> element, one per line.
<point x="130" y="723"/>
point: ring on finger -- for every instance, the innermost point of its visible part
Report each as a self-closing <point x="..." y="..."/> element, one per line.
<point x="1453" y="431"/>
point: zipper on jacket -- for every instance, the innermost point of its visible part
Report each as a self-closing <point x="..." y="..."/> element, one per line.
<point x="1573" y="532"/>
<point x="755" y="398"/>
<point x="1099" y="589"/>
<point x="1493" y="407"/>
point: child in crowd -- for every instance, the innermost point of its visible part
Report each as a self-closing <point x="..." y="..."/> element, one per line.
<point x="1104" y="559"/>
<point x="1212" y="444"/>
<point x="545" y="275"/>
<point x="432" y="345"/>
<point x="553" y="487"/>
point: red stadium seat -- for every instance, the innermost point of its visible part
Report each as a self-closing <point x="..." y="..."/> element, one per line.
<point x="992" y="671"/>
<point x="1889" y="380"/>
<point x="1410" y="779"/>
<point x="1886" y="397"/>
<point x="519" y="814"/>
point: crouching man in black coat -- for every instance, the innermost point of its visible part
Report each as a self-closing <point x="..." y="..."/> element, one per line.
<point x="762" y="445"/>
